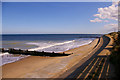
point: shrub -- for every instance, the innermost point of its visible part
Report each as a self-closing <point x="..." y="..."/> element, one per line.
<point x="115" y="56"/>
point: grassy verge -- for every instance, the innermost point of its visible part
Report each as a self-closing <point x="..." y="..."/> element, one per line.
<point x="115" y="56"/>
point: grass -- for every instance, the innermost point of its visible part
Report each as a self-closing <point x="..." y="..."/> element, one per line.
<point x="115" y="56"/>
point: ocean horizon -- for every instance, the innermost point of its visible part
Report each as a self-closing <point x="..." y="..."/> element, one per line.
<point x="43" y="42"/>
<point x="76" y="40"/>
<point x="28" y="41"/>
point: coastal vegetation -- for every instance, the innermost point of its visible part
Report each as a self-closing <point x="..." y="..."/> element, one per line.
<point x="115" y="55"/>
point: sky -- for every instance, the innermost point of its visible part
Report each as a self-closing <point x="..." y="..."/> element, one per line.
<point x="58" y="17"/>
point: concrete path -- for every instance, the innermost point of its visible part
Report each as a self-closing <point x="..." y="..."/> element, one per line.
<point x="94" y="66"/>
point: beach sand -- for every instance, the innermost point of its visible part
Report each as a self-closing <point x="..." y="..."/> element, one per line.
<point x="46" y="67"/>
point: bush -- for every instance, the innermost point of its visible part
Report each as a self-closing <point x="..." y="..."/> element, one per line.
<point x="115" y="56"/>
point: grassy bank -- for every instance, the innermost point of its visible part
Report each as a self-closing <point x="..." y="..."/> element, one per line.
<point x="115" y="55"/>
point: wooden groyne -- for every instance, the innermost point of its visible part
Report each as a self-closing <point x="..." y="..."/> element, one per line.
<point x="34" y="53"/>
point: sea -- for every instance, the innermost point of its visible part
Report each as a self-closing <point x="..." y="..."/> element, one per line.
<point x="42" y="42"/>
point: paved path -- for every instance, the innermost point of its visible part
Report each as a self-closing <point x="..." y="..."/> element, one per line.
<point x="93" y="66"/>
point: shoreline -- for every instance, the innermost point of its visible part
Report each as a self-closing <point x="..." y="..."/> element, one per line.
<point x="101" y="51"/>
<point x="42" y="70"/>
<point x="32" y="49"/>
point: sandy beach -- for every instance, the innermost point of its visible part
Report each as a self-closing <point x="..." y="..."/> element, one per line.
<point x="47" y="67"/>
<point x="69" y="40"/>
<point x="89" y="66"/>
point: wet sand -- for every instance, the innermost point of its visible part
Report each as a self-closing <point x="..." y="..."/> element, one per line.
<point x="46" y="67"/>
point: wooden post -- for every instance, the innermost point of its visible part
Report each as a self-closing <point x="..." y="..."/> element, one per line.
<point x="3" y="50"/>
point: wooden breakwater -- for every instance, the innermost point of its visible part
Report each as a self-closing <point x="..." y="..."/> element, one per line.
<point x="34" y="53"/>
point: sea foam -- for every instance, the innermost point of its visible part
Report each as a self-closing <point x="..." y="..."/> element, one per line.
<point x="48" y="46"/>
<point x="39" y="48"/>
